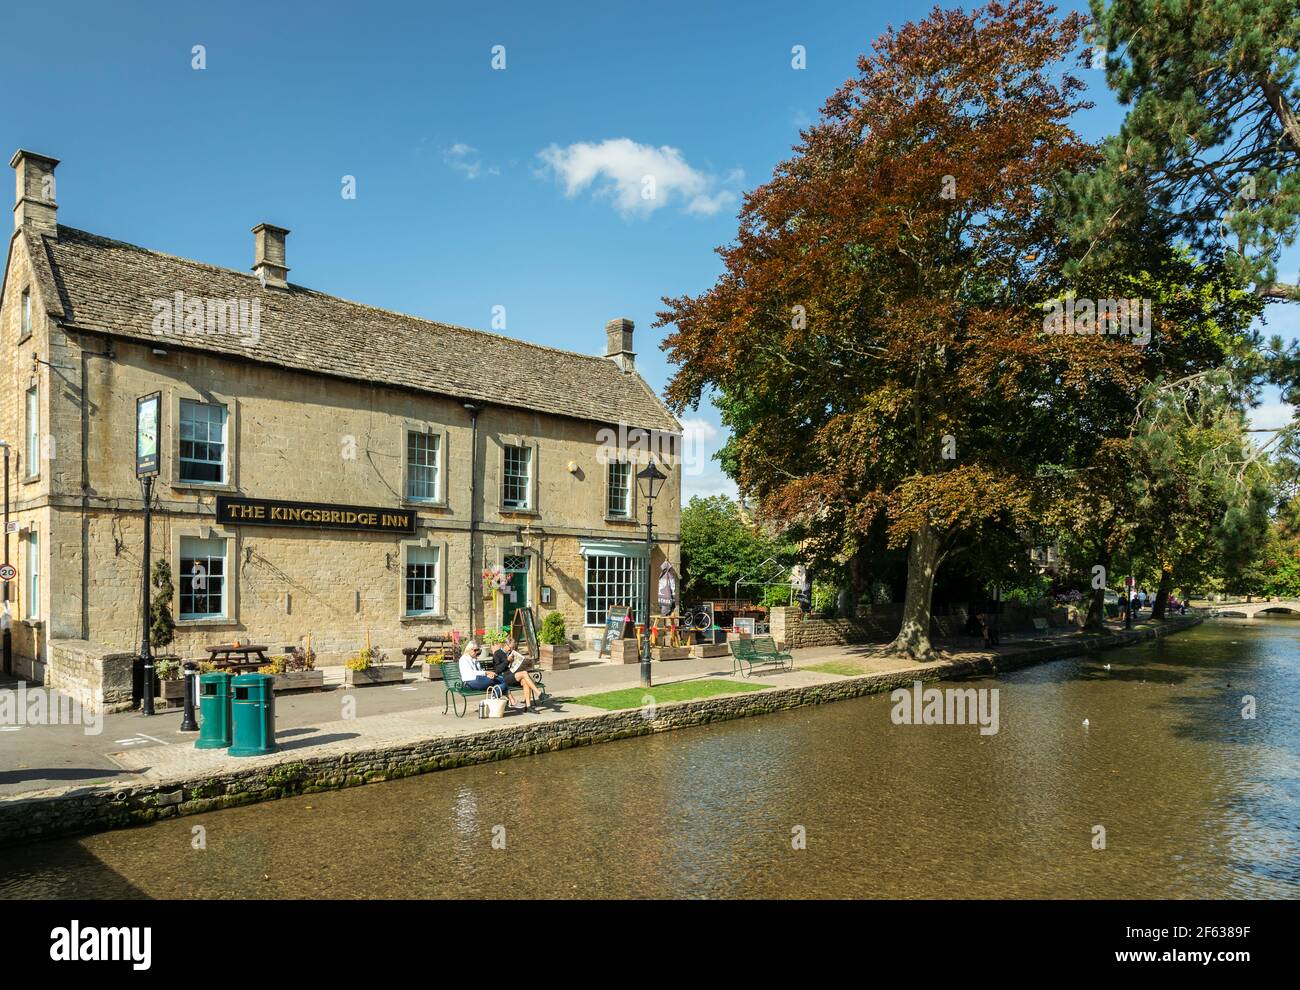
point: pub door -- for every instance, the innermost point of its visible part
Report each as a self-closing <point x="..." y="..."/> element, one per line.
<point x="516" y="595"/>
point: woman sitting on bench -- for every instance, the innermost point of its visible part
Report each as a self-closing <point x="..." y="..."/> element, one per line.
<point x="472" y="672"/>
<point x="502" y="660"/>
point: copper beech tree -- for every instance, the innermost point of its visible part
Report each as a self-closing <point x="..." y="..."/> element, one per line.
<point x="876" y="341"/>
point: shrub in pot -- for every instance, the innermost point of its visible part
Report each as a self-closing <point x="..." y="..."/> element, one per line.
<point x="553" y="644"/>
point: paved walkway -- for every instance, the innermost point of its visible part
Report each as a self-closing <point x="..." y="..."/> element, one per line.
<point x="130" y="747"/>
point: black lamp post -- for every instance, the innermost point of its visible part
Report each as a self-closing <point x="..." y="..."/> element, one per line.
<point x="649" y="480"/>
<point x="146" y="652"/>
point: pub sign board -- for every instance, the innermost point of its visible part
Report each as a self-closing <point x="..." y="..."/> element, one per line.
<point x="148" y="417"/>
<point x="236" y="511"/>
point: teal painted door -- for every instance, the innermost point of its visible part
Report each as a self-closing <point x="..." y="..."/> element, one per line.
<point x="516" y="596"/>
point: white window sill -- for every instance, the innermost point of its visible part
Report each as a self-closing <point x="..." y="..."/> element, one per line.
<point x="423" y="503"/>
<point x="200" y="487"/>
<point x="218" y="622"/>
<point x="423" y="617"/>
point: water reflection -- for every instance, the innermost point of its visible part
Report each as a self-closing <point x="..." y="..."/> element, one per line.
<point x="1195" y="802"/>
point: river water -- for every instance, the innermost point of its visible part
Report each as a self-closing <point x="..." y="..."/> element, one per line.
<point x="828" y="801"/>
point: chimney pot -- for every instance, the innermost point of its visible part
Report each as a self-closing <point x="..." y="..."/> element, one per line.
<point x="35" y="207"/>
<point x="618" y="345"/>
<point x="268" y="255"/>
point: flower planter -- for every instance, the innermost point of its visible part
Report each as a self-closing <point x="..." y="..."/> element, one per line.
<point x="554" y="657"/>
<point x="670" y="652"/>
<point x="705" y="650"/>
<point x="173" y="691"/>
<point x="372" y="675"/>
<point x="298" y="680"/>
<point x="432" y="672"/>
<point x="625" y="651"/>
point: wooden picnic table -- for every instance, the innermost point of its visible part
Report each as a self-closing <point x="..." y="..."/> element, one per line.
<point x="430" y="646"/>
<point x="223" y="657"/>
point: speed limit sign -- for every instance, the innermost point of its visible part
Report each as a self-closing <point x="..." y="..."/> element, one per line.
<point x="8" y="572"/>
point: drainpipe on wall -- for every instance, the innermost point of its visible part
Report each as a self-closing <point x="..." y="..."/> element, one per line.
<point x="473" y="411"/>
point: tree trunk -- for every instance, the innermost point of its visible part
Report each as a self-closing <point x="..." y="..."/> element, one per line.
<point x="1162" y="593"/>
<point x="913" y="637"/>
<point x="1097" y="603"/>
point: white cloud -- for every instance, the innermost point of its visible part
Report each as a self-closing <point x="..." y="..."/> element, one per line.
<point x="1271" y="415"/>
<point x="638" y="178"/>
<point x="465" y="158"/>
<point x="701" y="474"/>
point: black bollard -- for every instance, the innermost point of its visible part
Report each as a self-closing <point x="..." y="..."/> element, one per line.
<point x="188" y="722"/>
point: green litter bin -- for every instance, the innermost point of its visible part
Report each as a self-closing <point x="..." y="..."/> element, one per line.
<point x="214" y="711"/>
<point x="253" y="715"/>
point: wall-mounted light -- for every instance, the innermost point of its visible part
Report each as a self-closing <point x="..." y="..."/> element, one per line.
<point x="572" y="467"/>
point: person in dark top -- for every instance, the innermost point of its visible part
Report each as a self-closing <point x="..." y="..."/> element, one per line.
<point x="502" y="659"/>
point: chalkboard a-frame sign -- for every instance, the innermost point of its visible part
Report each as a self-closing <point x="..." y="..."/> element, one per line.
<point x="614" y="622"/>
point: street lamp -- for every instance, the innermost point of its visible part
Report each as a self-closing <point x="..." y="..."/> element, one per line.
<point x="649" y="480"/>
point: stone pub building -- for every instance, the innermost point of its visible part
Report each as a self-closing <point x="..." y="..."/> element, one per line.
<point x="326" y="468"/>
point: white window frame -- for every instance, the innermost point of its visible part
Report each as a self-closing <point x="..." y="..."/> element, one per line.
<point x="506" y="449"/>
<point x="33" y="567"/>
<point x="25" y="316"/>
<point x="630" y="590"/>
<point x="170" y="438"/>
<point x="439" y="611"/>
<point x="32" y="445"/>
<point x="629" y="488"/>
<point x="181" y="460"/>
<point x="182" y="575"/>
<point x="440" y="436"/>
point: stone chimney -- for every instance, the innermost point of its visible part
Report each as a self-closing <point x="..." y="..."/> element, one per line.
<point x="268" y="255"/>
<point x="35" y="208"/>
<point x="618" y="345"/>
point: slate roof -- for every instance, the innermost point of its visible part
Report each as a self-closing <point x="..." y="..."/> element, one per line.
<point x="109" y="286"/>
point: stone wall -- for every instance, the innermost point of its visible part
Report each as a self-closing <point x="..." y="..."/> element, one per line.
<point x="880" y="623"/>
<point x="796" y="630"/>
<point x="98" y="678"/>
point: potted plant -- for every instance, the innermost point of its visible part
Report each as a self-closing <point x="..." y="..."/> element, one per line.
<point x="295" y="670"/>
<point x="553" y="645"/>
<point x="366" y="666"/>
<point x="171" y="683"/>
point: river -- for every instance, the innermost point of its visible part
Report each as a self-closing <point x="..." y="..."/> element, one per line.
<point x="828" y="801"/>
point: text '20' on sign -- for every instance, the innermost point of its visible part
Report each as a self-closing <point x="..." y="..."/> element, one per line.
<point x="8" y="572"/>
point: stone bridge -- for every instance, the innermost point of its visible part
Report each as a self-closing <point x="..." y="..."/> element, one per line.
<point x="1248" y="610"/>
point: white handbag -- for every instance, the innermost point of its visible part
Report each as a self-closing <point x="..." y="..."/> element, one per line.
<point x="495" y="702"/>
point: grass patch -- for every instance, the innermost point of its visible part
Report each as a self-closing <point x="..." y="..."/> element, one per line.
<point x="844" y="668"/>
<point x="664" y="693"/>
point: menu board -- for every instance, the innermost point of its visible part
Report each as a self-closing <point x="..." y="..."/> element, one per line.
<point x="525" y="619"/>
<point x="614" y="622"/>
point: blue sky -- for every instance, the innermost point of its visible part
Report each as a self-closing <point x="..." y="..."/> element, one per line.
<point x="475" y="187"/>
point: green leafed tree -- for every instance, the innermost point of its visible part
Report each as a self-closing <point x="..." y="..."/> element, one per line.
<point x="1209" y="149"/>
<point x="720" y="546"/>
<point x="876" y="340"/>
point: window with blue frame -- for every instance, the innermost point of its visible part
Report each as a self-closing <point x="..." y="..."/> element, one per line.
<point x="203" y="442"/>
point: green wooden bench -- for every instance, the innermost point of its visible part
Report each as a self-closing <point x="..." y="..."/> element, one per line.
<point x="455" y="687"/>
<point x="746" y="654"/>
